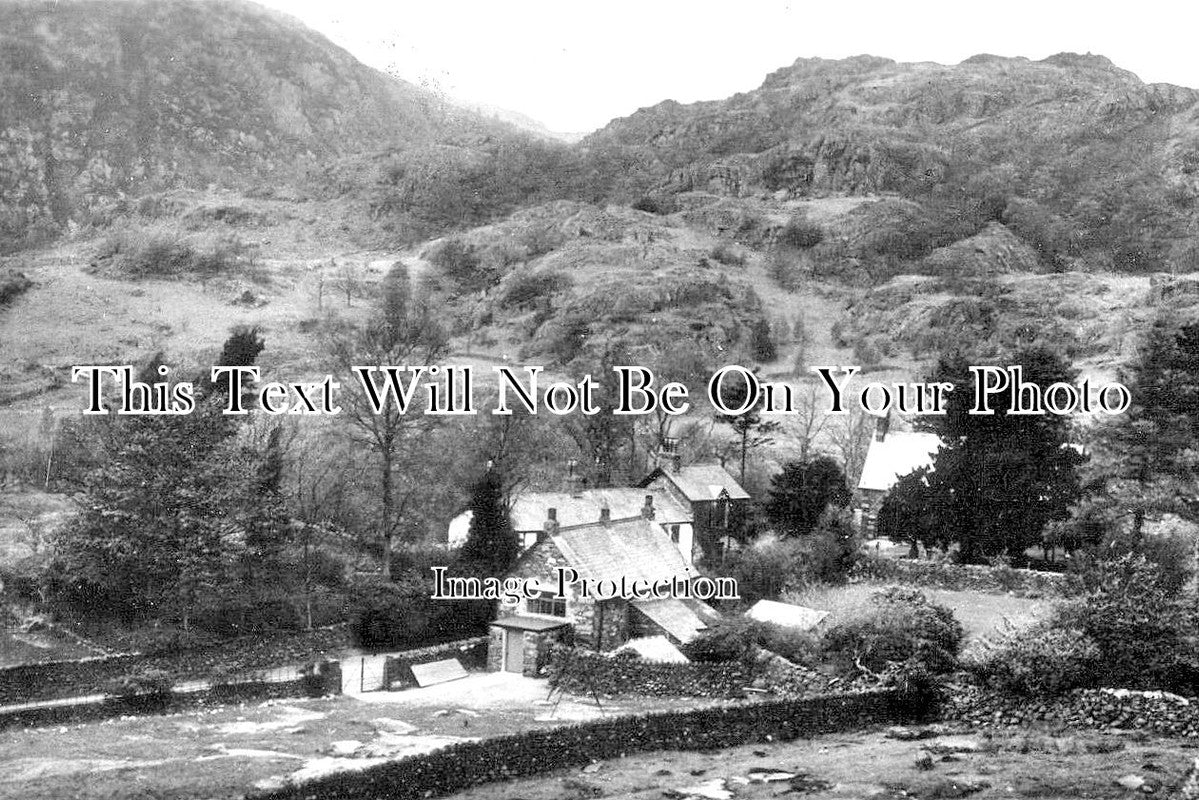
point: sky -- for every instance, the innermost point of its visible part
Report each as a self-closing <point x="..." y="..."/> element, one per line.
<point x="573" y="65"/>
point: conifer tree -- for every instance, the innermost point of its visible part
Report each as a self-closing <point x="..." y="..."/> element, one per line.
<point x="491" y="547"/>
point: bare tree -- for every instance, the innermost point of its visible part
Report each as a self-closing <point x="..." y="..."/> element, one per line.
<point x="400" y="332"/>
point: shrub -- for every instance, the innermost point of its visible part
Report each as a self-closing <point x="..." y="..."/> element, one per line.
<point x="462" y="264"/>
<point x="1142" y="632"/>
<point x="1043" y="660"/>
<point x="737" y="638"/>
<point x="731" y="639"/>
<point x="799" y="647"/>
<point x="766" y="567"/>
<point x="527" y="288"/>
<point x="898" y="626"/>
<point x="656" y="204"/>
<point x="162" y="252"/>
<point x="148" y="688"/>
<point x="729" y="255"/>
<point x="800" y="233"/>
<point x="12" y="285"/>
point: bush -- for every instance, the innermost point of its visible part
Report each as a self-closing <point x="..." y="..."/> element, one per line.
<point x="1142" y="632"/>
<point x="731" y="639"/>
<point x="656" y="204"/>
<point x="800" y="233"/>
<point x="149" y="688"/>
<point x="462" y="264"/>
<point x="12" y="285"/>
<point x="527" y="288"/>
<point x="798" y="647"/>
<point x="898" y="626"/>
<point x="1042" y="661"/>
<point x="162" y="252"/>
<point x="737" y="639"/>
<point x="729" y="255"/>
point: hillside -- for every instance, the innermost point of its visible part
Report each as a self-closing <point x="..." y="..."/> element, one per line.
<point x="1087" y="164"/>
<point x="107" y="100"/>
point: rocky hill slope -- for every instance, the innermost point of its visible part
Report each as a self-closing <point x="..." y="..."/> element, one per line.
<point x="1081" y="159"/>
<point x="115" y="98"/>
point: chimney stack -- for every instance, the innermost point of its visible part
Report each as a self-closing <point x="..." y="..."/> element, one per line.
<point x="550" y="528"/>
<point x="574" y="481"/>
<point x="605" y="515"/>
<point x="647" y="510"/>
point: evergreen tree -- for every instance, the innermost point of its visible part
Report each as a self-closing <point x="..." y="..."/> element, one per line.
<point x="998" y="478"/>
<point x="1145" y="458"/>
<point x="491" y="547"/>
<point x="802" y="492"/>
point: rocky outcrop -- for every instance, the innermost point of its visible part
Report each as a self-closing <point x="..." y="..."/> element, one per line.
<point x="995" y="250"/>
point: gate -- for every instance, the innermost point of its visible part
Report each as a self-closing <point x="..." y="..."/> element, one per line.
<point x="363" y="674"/>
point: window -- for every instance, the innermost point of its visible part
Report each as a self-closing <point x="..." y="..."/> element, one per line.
<point x="674" y="533"/>
<point x="547" y="604"/>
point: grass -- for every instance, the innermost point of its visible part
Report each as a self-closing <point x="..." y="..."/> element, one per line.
<point x="981" y="614"/>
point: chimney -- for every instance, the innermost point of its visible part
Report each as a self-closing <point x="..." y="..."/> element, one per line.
<point x="605" y="515"/>
<point x="550" y="528"/>
<point x="647" y="510"/>
<point x="668" y="453"/>
<point x="881" y="427"/>
<point x="574" y="481"/>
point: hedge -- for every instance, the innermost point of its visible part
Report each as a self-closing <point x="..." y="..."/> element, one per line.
<point x="959" y="577"/>
<point x="463" y="765"/>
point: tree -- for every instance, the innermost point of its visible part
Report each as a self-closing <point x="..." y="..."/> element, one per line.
<point x="491" y="547"/>
<point x="1145" y="458"/>
<point x="998" y="478"/>
<point x="398" y="333"/>
<point x="602" y="437"/>
<point x="802" y="492"/>
<point x="166" y="509"/>
<point x="750" y="429"/>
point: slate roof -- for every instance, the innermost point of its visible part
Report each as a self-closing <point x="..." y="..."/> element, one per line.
<point x="529" y="511"/>
<point x="786" y="614"/>
<point x="632" y="549"/>
<point x="653" y="648"/>
<point x="674" y="616"/>
<point x="895" y="456"/>
<point x="701" y="482"/>
<point x="523" y="623"/>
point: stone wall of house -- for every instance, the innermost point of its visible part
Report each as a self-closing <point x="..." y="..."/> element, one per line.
<point x="495" y="649"/>
<point x="542" y="561"/>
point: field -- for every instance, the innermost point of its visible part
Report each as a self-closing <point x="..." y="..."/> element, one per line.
<point x="870" y="764"/>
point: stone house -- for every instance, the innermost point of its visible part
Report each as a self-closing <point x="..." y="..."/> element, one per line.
<point x="604" y="551"/>
<point x="891" y="455"/>
<point x="531" y="511"/>
<point x="719" y="506"/>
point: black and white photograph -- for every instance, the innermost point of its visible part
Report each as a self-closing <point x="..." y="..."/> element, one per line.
<point x="661" y="400"/>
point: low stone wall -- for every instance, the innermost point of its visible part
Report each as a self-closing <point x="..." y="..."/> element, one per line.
<point x="327" y="680"/>
<point x="583" y="672"/>
<point x="54" y="680"/>
<point x="460" y="766"/>
<point x="1103" y="709"/>
<point x="397" y="669"/>
<point x="959" y="577"/>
